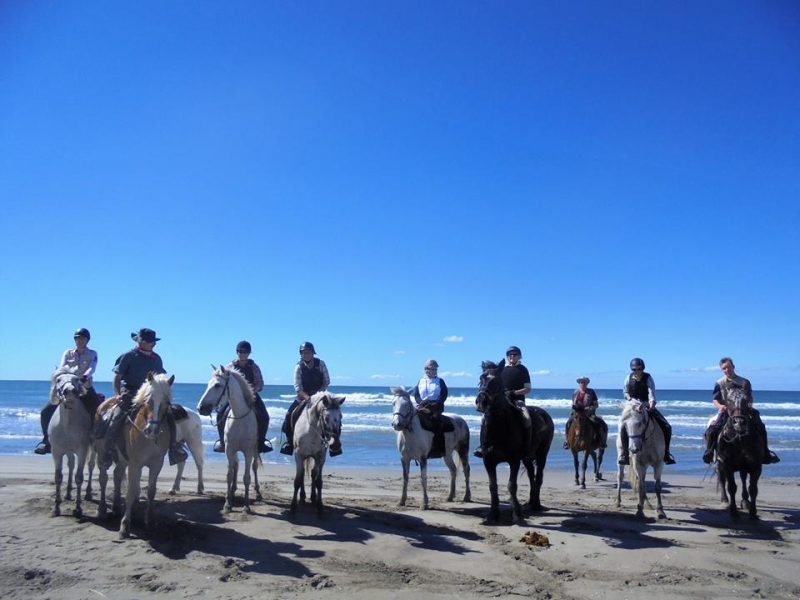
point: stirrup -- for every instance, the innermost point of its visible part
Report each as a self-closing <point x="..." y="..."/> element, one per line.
<point x="770" y="458"/>
<point x="42" y="448"/>
<point x="669" y="459"/>
<point x="708" y="456"/>
<point x="287" y="448"/>
<point x="219" y="446"/>
<point x="265" y="447"/>
<point x="177" y="455"/>
<point x="478" y="452"/>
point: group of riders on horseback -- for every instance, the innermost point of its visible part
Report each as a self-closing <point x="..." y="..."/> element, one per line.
<point x="311" y="376"/>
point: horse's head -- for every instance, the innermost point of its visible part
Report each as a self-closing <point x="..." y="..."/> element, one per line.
<point x="66" y="387"/>
<point x="216" y="390"/>
<point x="490" y="388"/>
<point x="738" y="405"/>
<point x="635" y="419"/>
<point x="330" y="412"/>
<point x="153" y="400"/>
<point x="402" y="409"/>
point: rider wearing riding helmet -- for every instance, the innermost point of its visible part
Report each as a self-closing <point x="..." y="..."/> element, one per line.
<point x="85" y="360"/>
<point x="430" y="394"/>
<point x="310" y="376"/>
<point x="517" y="383"/>
<point x="252" y="373"/>
<point x="640" y="386"/>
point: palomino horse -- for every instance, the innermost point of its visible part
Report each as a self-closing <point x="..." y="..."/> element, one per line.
<point x="504" y="439"/>
<point x="241" y="429"/>
<point x="582" y="437"/>
<point x="69" y="431"/>
<point x="320" y="419"/>
<point x="740" y="448"/>
<point x="414" y="443"/>
<point x="147" y="440"/>
<point x="190" y="430"/>
<point x="646" y="444"/>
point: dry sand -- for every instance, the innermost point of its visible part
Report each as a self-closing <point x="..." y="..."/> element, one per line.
<point x="365" y="547"/>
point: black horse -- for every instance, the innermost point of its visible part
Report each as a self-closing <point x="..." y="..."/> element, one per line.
<point x="740" y="448"/>
<point x="506" y="439"/>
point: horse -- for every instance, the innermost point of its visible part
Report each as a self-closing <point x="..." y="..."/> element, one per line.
<point x="646" y="444"/>
<point x="582" y="437"/>
<point x="69" y="431"/>
<point x="147" y="439"/>
<point x="740" y="448"/>
<point x="319" y="420"/>
<point x="504" y="439"/>
<point x="414" y="443"/>
<point x="190" y="430"/>
<point x="241" y="430"/>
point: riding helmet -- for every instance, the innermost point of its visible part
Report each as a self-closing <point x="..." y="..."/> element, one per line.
<point x="83" y="332"/>
<point x="307" y="346"/>
<point x="514" y="350"/>
<point x="637" y="363"/>
<point x="431" y="363"/>
<point x="244" y="346"/>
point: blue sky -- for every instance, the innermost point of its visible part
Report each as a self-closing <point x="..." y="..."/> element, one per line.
<point x="397" y="181"/>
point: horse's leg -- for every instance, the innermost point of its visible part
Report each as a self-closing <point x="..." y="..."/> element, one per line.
<point x="58" y="459"/>
<point x="745" y="505"/>
<point x="657" y="470"/>
<point x="176" y="485"/>
<point x="195" y="443"/>
<point x="640" y="484"/>
<point x="620" y="479"/>
<point x="248" y="464"/>
<point x="598" y="475"/>
<point x="81" y="464"/>
<point x="584" y="466"/>
<point x="463" y="458"/>
<point x="233" y="473"/>
<point x="119" y="475"/>
<point x="152" y="481"/>
<point x="448" y="460"/>
<point x="134" y="487"/>
<point x="423" y="477"/>
<point x="92" y="461"/>
<point x="102" y="480"/>
<point x="256" y="485"/>
<point x="535" y="502"/>
<point x="494" y="508"/>
<point x="405" y="461"/>
<point x="316" y="481"/>
<point x="575" y="462"/>
<point x="298" y="478"/>
<point x="730" y="477"/>
<point x="754" y="477"/>
<point x="71" y="474"/>
<point x="516" y="509"/>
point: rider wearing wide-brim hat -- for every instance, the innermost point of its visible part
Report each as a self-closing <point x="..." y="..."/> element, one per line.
<point x="310" y="377"/>
<point x="639" y="385"/>
<point x="130" y="373"/>
<point x="84" y="360"/>
<point x="585" y="399"/>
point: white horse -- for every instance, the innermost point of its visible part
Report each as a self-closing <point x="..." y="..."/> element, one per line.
<point x="69" y="431"/>
<point x="241" y="429"/>
<point x="320" y="419"/>
<point x="147" y="440"/>
<point x="190" y="430"/>
<point x="646" y="444"/>
<point x="414" y="443"/>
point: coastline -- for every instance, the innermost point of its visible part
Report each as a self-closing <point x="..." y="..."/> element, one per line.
<point x="364" y="546"/>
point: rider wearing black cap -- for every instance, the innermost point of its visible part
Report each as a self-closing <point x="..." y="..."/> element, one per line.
<point x="130" y="372"/>
<point x="252" y="373"/>
<point x="85" y="360"/>
<point x="310" y="376"/>
<point x="640" y="386"/>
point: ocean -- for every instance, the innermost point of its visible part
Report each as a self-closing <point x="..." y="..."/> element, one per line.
<point x="370" y="442"/>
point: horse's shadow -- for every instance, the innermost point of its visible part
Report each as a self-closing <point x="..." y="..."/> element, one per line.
<point x="743" y="527"/>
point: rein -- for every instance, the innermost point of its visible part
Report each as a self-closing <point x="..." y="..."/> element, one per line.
<point x="414" y="413"/>
<point x="226" y="390"/>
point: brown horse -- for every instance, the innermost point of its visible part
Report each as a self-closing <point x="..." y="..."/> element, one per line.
<point x="147" y="440"/>
<point x="583" y="437"/>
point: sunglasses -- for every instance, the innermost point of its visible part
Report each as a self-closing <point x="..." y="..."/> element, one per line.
<point x="512" y="354"/>
<point x="637" y="369"/>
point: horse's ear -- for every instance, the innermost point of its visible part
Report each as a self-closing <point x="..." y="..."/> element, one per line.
<point x="213" y="368"/>
<point x="339" y="399"/>
<point x="171" y="380"/>
<point x="150" y="377"/>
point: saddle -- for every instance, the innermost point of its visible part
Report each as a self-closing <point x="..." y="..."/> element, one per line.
<point x="178" y="412"/>
<point x="301" y="406"/>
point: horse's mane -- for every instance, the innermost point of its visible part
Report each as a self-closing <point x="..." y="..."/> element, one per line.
<point x="627" y="409"/>
<point x="160" y="383"/>
<point x="63" y="371"/>
<point x="247" y="389"/>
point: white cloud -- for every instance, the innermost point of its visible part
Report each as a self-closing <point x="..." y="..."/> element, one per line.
<point x="456" y="374"/>
<point x="454" y="338"/>
<point x="399" y="351"/>
<point x="541" y="372"/>
<point x="378" y="376"/>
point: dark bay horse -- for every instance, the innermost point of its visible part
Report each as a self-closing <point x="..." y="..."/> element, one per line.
<point x="740" y="448"/>
<point x="504" y="439"/>
<point x="582" y="437"/>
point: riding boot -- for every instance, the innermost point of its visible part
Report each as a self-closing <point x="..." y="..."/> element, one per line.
<point x="44" y="419"/>
<point x="288" y="429"/>
<point x="262" y="417"/>
<point x="602" y="433"/>
<point x="770" y="458"/>
<point x="478" y="453"/>
<point x="114" y="426"/>
<point x="176" y="452"/>
<point x="90" y="402"/>
<point x="566" y="433"/>
<point x="219" y="445"/>
<point x="624" y="458"/>
<point x="711" y="436"/>
<point x="667" y="431"/>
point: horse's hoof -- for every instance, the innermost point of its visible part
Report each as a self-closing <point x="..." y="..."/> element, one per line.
<point x="583" y="486"/>
<point x="56" y="512"/>
<point x="227" y="509"/>
<point x="467" y="498"/>
<point x="248" y="510"/>
<point x="425" y="507"/>
<point x="77" y="513"/>
<point x="259" y="498"/>
<point x="171" y="492"/>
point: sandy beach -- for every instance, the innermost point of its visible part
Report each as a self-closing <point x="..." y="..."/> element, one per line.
<point x="366" y="547"/>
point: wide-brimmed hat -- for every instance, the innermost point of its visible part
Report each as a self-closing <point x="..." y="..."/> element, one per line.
<point x="583" y="379"/>
<point x="145" y="335"/>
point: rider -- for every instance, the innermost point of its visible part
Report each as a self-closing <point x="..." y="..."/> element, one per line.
<point x="431" y="393"/>
<point x="722" y="388"/>
<point x="640" y="386"/>
<point x="517" y="382"/>
<point x="85" y="359"/>
<point x="585" y="398"/>
<point x="130" y="372"/>
<point x="310" y="376"/>
<point x="252" y="373"/>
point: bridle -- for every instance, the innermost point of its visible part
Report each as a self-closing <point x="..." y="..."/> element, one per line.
<point x="640" y="408"/>
<point x="404" y="416"/>
<point x="62" y="391"/>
